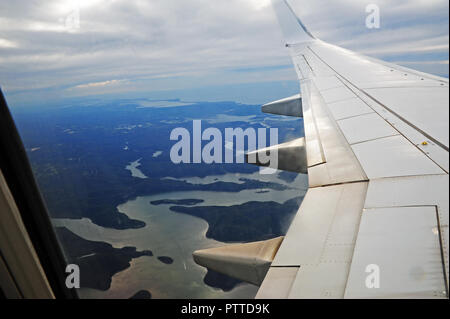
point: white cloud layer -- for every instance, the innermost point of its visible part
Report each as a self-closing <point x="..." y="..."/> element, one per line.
<point x="69" y="48"/>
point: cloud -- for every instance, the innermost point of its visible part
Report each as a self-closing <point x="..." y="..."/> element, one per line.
<point x="444" y="62"/>
<point x="45" y="52"/>
<point x="98" y="84"/>
<point x="4" y="43"/>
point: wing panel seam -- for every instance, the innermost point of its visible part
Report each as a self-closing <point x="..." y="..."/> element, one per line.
<point x="391" y="111"/>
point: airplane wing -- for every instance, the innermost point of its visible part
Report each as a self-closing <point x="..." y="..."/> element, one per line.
<point x="374" y="222"/>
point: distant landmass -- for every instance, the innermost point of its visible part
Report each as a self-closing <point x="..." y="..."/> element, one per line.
<point x="88" y="181"/>
<point x="79" y="159"/>
<point x="98" y="261"/>
<point x="142" y="294"/>
<point x="288" y="177"/>
<point x="165" y="260"/>
<point x="184" y="202"/>
<point x="251" y="221"/>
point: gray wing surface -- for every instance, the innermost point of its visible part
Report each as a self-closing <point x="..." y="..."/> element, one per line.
<point x="374" y="222"/>
<point x="377" y="148"/>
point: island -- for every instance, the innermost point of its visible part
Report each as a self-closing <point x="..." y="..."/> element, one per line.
<point x="142" y="294"/>
<point x="286" y="176"/>
<point x="165" y="260"/>
<point x="184" y="202"/>
<point x="251" y="221"/>
<point x="98" y="261"/>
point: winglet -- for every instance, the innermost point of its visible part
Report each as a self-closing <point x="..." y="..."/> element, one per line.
<point x="293" y="28"/>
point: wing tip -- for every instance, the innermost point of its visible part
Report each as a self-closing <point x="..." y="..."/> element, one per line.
<point x="293" y="28"/>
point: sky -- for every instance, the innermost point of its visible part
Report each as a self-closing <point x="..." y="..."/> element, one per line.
<point x="56" y="51"/>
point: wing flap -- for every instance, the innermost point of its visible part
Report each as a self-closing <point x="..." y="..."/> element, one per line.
<point x="320" y="242"/>
<point x="278" y="283"/>
<point x="330" y="158"/>
<point x="382" y="250"/>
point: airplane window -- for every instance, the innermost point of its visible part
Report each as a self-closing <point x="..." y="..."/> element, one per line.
<point x="124" y="160"/>
<point x="129" y="217"/>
